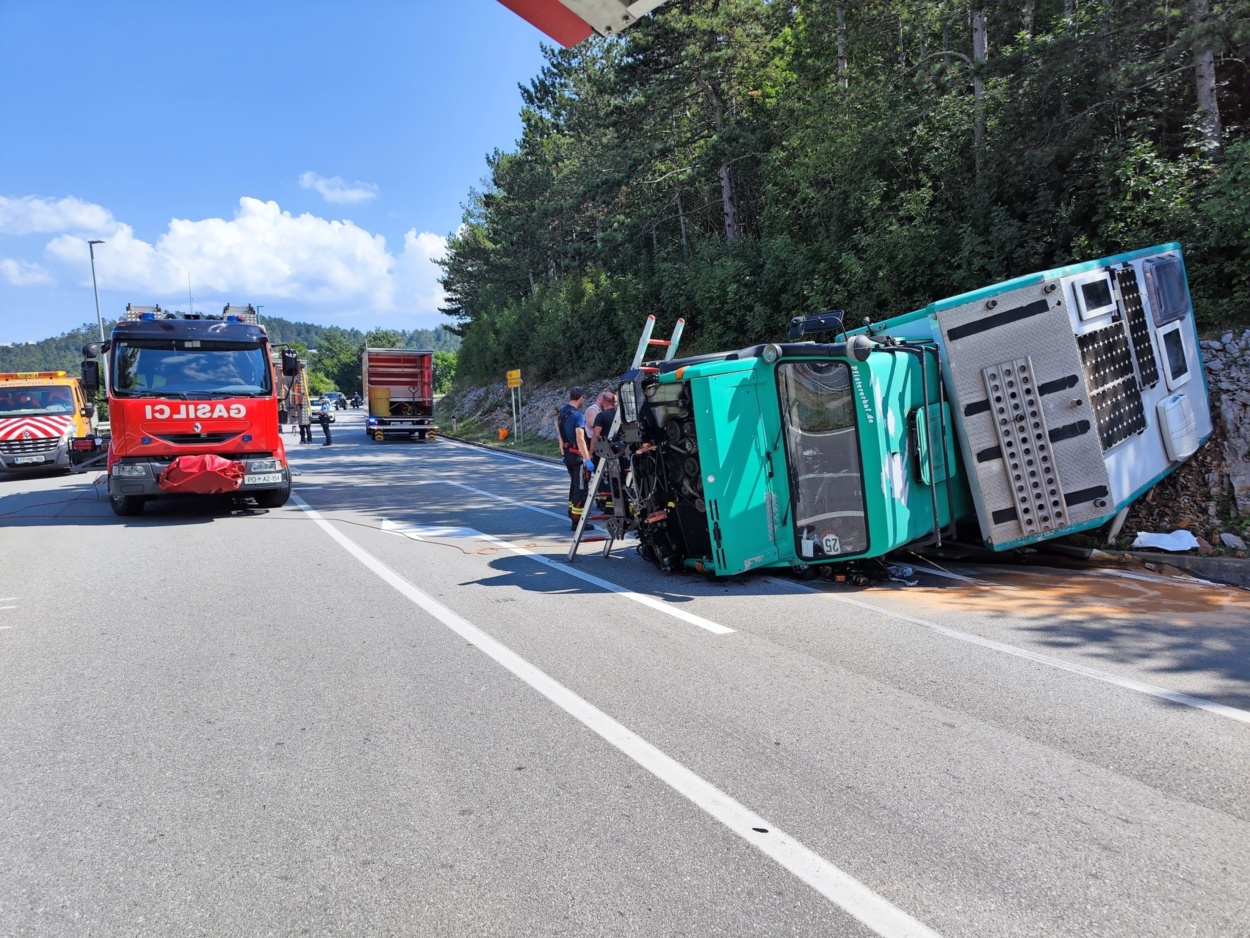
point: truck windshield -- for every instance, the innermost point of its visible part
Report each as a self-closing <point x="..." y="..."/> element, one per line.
<point x="190" y="368"/>
<point x="822" y="449"/>
<point x="35" y="401"/>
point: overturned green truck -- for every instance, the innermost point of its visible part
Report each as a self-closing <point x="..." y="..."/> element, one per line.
<point x="1032" y="409"/>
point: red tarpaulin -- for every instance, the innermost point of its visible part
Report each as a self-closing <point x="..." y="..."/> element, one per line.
<point x="202" y="475"/>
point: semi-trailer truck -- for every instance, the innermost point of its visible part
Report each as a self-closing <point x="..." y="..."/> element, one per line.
<point x="1028" y="410"/>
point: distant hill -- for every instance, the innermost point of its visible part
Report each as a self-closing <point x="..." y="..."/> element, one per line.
<point x="64" y="352"/>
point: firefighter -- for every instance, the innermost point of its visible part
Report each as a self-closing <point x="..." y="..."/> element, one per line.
<point x="576" y="453"/>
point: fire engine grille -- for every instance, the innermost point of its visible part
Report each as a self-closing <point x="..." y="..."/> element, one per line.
<point x="196" y="439"/>
<point x="21" y="447"/>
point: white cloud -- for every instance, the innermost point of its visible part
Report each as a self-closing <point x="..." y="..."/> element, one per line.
<point x="416" y="275"/>
<point x="338" y="190"/>
<point x="31" y="214"/>
<point x="262" y="254"/>
<point x="23" y="274"/>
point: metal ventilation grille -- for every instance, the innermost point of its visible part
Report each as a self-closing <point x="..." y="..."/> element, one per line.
<point x="1112" y="384"/>
<point x="1139" y="331"/>
<point x="1025" y="443"/>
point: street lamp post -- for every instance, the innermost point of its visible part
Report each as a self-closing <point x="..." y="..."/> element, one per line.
<point x="99" y="319"/>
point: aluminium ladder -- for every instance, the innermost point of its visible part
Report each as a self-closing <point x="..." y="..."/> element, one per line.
<point x="644" y="342"/>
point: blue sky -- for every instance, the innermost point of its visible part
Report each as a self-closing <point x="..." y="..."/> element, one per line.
<point x="307" y="156"/>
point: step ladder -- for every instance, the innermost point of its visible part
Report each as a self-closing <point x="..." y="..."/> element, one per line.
<point x="619" y="507"/>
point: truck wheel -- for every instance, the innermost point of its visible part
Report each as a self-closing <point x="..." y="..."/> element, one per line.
<point x="421" y="435"/>
<point x="126" y="505"/>
<point x="273" y="498"/>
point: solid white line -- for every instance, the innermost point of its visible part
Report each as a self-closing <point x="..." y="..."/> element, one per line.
<point x="937" y="571"/>
<point x="650" y="601"/>
<point x="874" y="911"/>
<point x="495" y="452"/>
<point x="1141" y="687"/>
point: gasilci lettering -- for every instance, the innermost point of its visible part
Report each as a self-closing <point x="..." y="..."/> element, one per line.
<point x="193" y="411"/>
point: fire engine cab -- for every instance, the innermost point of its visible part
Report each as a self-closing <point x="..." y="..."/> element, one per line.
<point x="193" y="408"/>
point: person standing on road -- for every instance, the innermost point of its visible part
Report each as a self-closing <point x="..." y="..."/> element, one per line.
<point x="303" y="417"/>
<point x="323" y="417"/>
<point x="576" y="454"/>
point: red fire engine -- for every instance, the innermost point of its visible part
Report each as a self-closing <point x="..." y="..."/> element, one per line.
<point x="193" y="408"/>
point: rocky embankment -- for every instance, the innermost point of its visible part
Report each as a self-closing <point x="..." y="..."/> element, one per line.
<point x="1208" y="496"/>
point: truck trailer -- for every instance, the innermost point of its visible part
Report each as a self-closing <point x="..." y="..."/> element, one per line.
<point x="46" y="422"/>
<point x="193" y="408"/>
<point x="399" y="388"/>
<point x="1032" y="409"/>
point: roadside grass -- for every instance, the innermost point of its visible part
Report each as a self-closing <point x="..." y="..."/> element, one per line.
<point x="479" y="429"/>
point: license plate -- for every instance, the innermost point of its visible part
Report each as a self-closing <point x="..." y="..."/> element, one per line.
<point x="268" y="478"/>
<point x="20" y="460"/>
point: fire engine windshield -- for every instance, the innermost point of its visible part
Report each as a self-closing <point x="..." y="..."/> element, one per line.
<point x="822" y="449"/>
<point x="190" y="368"/>
<point x="33" y="402"/>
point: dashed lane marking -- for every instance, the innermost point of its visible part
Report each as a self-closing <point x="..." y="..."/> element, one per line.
<point x="649" y="601"/>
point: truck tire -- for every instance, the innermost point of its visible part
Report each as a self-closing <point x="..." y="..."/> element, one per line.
<point x="125" y="506"/>
<point x="273" y="498"/>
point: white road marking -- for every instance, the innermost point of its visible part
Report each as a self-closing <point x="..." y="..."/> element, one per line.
<point x="494" y="452"/>
<point x="937" y="571"/>
<point x="510" y="501"/>
<point x="874" y="911"/>
<point x="1141" y="687"/>
<point x="650" y="601"/>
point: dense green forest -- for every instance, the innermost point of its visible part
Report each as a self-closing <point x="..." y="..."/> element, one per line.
<point x="333" y="353"/>
<point x="738" y="162"/>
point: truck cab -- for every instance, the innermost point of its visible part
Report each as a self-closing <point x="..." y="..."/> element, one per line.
<point x="46" y="422"/>
<point x="787" y="455"/>
<point x="193" y="407"/>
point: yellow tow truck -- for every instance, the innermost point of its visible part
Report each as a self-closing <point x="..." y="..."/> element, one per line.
<point x="46" y="422"/>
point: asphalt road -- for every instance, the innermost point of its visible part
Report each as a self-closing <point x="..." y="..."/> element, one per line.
<point x="391" y="708"/>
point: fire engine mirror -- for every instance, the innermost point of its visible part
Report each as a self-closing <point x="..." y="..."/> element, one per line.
<point x="91" y="376"/>
<point x="88" y="410"/>
<point x="290" y="363"/>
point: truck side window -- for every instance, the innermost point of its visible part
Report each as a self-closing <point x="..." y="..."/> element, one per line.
<point x="822" y="450"/>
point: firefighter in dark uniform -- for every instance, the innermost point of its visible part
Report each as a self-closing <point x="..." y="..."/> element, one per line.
<point x="323" y="418"/>
<point x="576" y="451"/>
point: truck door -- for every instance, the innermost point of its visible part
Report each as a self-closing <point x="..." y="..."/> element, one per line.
<point x="737" y="480"/>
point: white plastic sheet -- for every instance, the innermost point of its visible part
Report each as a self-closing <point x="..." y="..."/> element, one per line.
<point x="1177" y="540"/>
